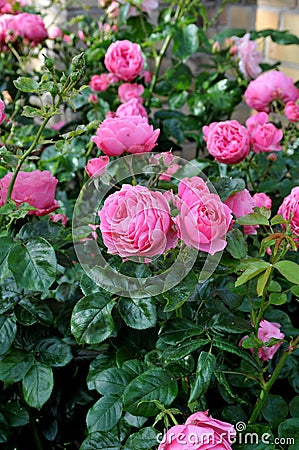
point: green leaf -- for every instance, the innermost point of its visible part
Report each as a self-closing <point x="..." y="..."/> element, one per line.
<point x="101" y="441"/>
<point x="181" y="350"/>
<point x="236" y="244"/>
<point x="262" y="281"/>
<point x="254" y="218"/>
<point x="278" y="220"/>
<point x="185" y="41"/>
<point x="275" y="409"/>
<point x="99" y="364"/>
<point x="295" y="290"/>
<point x="278" y="36"/>
<point x="29" y="111"/>
<point x="290" y="429"/>
<point x="26" y="84"/>
<point x="223" y="383"/>
<point x="16" y="415"/>
<point x="229" y="32"/>
<point x="91" y="321"/>
<point x="54" y="352"/>
<point x="138" y="313"/>
<point x="4" y="429"/>
<point x="104" y="414"/>
<point x="144" y="439"/>
<point x="29" y="311"/>
<point x="112" y="381"/>
<point x="180" y="77"/>
<point x="8" y="331"/>
<point x="294" y="407"/>
<point x="231" y="348"/>
<point x="6" y="243"/>
<point x="37" y="384"/>
<point x="14" y="365"/>
<point x="226" y="187"/>
<point x="205" y="368"/>
<point x="33" y="264"/>
<point x="252" y="271"/>
<point x="177" y="330"/>
<point x="154" y="384"/>
<point x="180" y="293"/>
<point x="289" y="270"/>
<point x="278" y="298"/>
<point x="177" y="99"/>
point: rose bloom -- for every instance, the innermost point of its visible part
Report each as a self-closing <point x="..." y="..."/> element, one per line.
<point x="203" y="220"/>
<point x="269" y="86"/>
<point x="262" y="200"/>
<point x="227" y="141"/>
<point x="2" y="113"/>
<point x="136" y="222"/>
<point x="126" y="91"/>
<point x="124" y="59"/>
<point x="200" y="432"/>
<point x="250" y="58"/>
<point x="292" y="111"/>
<point x="97" y="166"/>
<point x="241" y="203"/>
<point x="289" y="209"/>
<point x="31" y="27"/>
<point x="166" y="176"/>
<point x="266" y="331"/>
<point x="36" y="188"/>
<point x="147" y="75"/>
<point x="131" y="134"/>
<point x="132" y="107"/>
<point x="99" y="83"/>
<point x="54" y="32"/>
<point x="8" y="30"/>
<point x="164" y="158"/>
<point x="264" y="136"/>
<point x="92" y="98"/>
<point x="57" y="217"/>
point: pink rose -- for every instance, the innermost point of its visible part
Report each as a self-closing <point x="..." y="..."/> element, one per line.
<point x="164" y="158"/>
<point x="97" y="166"/>
<point x="227" y="141"/>
<point x="290" y="211"/>
<point x="113" y="10"/>
<point x="36" y="188"/>
<point x="2" y="113"/>
<point x="54" y="32"/>
<point x="8" y="30"/>
<point x="266" y="331"/>
<point x="92" y="98"/>
<point x="136" y="221"/>
<point x="200" y="432"/>
<point x="241" y="203"/>
<point x="124" y="59"/>
<point x="269" y="86"/>
<point x="57" y="217"/>
<point x="31" y="27"/>
<point x="264" y="136"/>
<point x="249" y="57"/>
<point x="166" y="176"/>
<point x="131" y="134"/>
<point x="203" y="220"/>
<point x="147" y="75"/>
<point x="132" y="107"/>
<point x="126" y="91"/>
<point x="99" y="83"/>
<point x="262" y="200"/>
<point x="292" y="111"/>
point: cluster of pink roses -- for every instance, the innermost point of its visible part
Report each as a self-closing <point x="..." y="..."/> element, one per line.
<point x="11" y="6"/>
<point x="200" y="432"/>
<point x="230" y="142"/>
<point x="136" y="221"/>
<point x="29" y="27"/>
<point x="125" y="62"/>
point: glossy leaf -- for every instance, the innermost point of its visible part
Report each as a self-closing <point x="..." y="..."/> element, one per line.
<point x="139" y="313"/>
<point x="54" y="352"/>
<point x="289" y="270"/>
<point x="101" y="441"/>
<point x="91" y="319"/>
<point x="205" y="368"/>
<point x="33" y="264"/>
<point x="154" y="384"/>
<point x="104" y="414"/>
<point x="8" y="331"/>
<point x="37" y="384"/>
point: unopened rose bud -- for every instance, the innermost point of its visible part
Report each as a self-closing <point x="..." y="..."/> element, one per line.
<point x="216" y="47"/>
<point x="272" y="157"/>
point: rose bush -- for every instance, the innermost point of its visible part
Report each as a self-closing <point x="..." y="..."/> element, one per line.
<point x="122" y="310"/>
